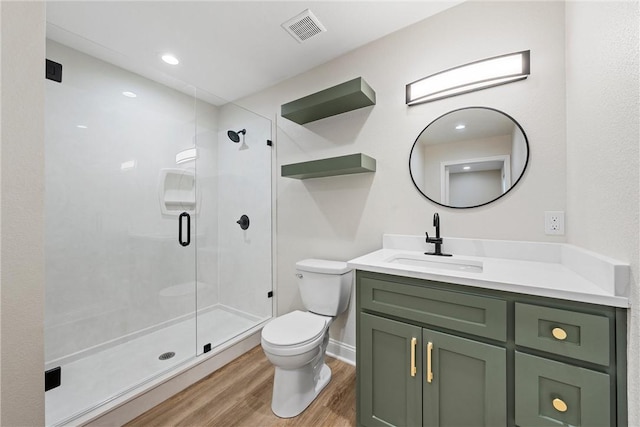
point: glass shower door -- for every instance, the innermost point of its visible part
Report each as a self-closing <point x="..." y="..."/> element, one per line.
<point x="234" y="250"/>
<point x="120" y="241"/>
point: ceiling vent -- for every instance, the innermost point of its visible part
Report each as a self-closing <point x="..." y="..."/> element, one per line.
<point x="304" y="26"/>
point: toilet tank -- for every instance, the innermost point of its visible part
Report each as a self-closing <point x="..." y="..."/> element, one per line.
<point x="325" y="286"/>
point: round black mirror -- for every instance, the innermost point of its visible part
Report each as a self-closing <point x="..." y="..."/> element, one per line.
<point x="469" y="157"/>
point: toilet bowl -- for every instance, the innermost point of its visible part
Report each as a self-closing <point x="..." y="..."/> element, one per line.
<point x="298" y="356"/>
<point x="296" y="342"/>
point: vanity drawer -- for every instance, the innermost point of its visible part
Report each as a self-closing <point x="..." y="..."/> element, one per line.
<point x="564" y="332"/>
<point x="473" y="314"/>
<point x="554" y="393"/>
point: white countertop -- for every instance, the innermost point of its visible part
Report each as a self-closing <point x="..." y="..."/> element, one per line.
<point x="553" y="270"/>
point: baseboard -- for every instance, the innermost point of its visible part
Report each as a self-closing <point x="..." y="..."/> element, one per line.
<point x="342" y="351"/>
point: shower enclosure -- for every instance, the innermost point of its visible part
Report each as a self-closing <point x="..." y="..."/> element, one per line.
<point x="148" y="265"/>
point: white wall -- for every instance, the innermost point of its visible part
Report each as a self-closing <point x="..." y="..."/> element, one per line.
<point x="518" y="154"/>
<point x="344" y="217"/>
<point x="603" y="135"/>
<point x="474" y="188"/>
<point x="22" y="27"/>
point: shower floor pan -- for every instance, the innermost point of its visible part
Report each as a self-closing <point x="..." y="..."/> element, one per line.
<point x="96" y="379"/>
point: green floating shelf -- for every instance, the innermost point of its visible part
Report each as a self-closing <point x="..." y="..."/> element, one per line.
<point x="343" y="165"/>
<point x="338" y="99"/>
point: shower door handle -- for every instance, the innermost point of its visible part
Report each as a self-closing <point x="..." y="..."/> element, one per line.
<point x="180" y="222"/>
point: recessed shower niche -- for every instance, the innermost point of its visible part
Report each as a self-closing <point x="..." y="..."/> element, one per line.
<point x="177" y="191"/>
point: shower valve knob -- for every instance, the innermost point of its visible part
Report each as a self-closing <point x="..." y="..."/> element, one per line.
<point x="243" y="222"/>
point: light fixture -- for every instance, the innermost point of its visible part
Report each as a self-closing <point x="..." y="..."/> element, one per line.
<point x="129" y="94"/>
<point x="170" y="59"/>
<point x="460" y="127"/>
<point x="466" y="168"/>
<point x="477" y="75"/>
<point x="81" y="126"/>
<point x="186" y="155"/>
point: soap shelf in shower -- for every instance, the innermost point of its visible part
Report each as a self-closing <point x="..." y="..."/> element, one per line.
<point x="347" y="96"/>
<point x="342" y="165"/>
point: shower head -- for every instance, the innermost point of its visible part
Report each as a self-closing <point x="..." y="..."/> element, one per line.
<point x="235" y="136"/>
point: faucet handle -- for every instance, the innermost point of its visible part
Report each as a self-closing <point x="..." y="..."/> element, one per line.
<point x="432" y="239"/>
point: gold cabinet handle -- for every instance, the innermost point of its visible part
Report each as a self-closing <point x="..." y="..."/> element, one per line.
<point x="559" y="334"/>
<point x="559" y="405"/>
<point x="429" y="371"/>
<point x="414" y="369"/>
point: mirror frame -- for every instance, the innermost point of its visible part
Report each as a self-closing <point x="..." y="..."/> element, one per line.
<point x="524" y="169"/>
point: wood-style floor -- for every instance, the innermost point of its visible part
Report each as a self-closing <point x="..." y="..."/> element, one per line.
<point x="239" y="394"/>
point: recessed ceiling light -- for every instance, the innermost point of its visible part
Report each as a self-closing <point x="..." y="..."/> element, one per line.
<point x="129" y="94"/>
<point x="81" y="126"/>
<point x="460" y="127"/>
<point x="466" y="168"/>
<point x="170" y="59"/>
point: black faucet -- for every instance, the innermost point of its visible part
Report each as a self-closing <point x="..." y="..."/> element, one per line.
<point x="436" y="240"/>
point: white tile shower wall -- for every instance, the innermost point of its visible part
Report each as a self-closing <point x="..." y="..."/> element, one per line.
<point x="244" y="188"/>
<point x="109" y="250"/>
<point x="207" y="215"/>
<point x="344" y="217"/>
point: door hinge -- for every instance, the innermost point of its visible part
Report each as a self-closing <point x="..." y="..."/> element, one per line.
<point x="269" y="294"/>
<point x="269" y="142"/>
<point x="52" y="378"/>
<point x="206" y="348"/>
<point x="53" y="71"/>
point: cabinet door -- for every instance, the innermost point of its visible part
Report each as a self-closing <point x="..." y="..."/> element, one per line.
<point x="468" y="386"/>
<point x="389" y="394"/>
<point x="550" y="393"/>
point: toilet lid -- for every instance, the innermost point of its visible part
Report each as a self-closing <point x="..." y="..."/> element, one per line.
<point x="294" y="328"/>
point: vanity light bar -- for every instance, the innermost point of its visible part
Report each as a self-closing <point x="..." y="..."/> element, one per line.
<point x="470" y="77"/>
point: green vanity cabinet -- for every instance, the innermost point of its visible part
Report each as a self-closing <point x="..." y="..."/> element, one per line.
<point x="438" y="354"/>
<point x="413" y="376"/>
<point x="410" y="374"/>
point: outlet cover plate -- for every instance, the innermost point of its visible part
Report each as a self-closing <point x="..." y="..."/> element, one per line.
<point x="554" y="223"/>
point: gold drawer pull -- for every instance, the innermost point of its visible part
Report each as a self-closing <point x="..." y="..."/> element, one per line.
<point x="559" y="334"/>
<point x="429" y="370"/>
<point x="559" y="405"/>
<point x="414" y="369"/>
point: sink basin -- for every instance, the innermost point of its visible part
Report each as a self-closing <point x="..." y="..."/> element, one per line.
<point x="435" y="262"/>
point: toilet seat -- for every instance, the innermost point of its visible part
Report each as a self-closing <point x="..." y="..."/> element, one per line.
<point x="294" y="333"/>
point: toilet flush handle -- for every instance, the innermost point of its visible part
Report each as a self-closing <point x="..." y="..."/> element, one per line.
<point x="299" y="276"/>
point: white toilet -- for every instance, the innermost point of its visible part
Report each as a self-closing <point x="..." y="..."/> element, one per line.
<point x="296" y="342"/>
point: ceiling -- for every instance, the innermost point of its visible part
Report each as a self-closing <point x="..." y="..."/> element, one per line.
<point x="227" y="49"/>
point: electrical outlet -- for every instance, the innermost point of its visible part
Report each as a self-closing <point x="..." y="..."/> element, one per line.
<point x="554" y="222"/>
